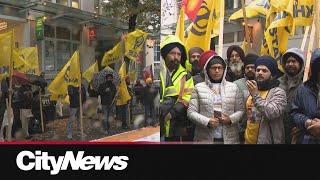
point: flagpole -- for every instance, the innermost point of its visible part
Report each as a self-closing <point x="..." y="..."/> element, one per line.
<point x="40" y="98"/>
<point x="311" y="42"/>
<point x="80" y="100"/>
<point x="221" y="27"/>
<point x="9" y="110"/>
<point x="304" y="40"/>
<point x="246" y="29"/>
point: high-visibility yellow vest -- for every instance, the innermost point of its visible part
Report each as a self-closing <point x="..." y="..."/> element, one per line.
<point x="180" y="77"/>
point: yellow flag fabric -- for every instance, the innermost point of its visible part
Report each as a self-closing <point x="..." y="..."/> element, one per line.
<point x="205" y="25"/>
<point x="134" y="42"/>
<point x="26" y="60"/>
<point x="88" y="74"/>
<point x="63" y="98"/>
<point x="123" y="96"/>
<point x="113" y="55"/>
<point x="6" y="44"/>
<point x="180" y="26"/>
<point x="255" y="8"/>
<point x="281" y="20"/>
<point x="69" y="75"/>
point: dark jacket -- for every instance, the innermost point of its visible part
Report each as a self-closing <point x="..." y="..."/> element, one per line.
<point x="92" y="92"/>
<point x="107" y="92"/>
<point x="149" y="94"/>
<point x="305" y="105"/>
<point x="22" y="97"/>
<point x="138" y="91"/>
<point x="4" y="90"/>
<point x="73" y="93"/>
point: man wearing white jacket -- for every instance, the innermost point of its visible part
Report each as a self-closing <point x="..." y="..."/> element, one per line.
<point x="216" y="106"/>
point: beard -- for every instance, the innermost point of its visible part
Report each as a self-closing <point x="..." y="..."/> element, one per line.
<point x="292" y="72"/>
<point x="195" y="69"/>
<point x="267" y="84"/>
<point x="236" y="67"/>
<point x="250" y="75"/>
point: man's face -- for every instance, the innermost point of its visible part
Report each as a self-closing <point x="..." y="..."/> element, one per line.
<point x="173" y="59"/>
<point x="216" y="72"/>
<point x="194" y="57"/>
<point x="109" y="78"/>
<point x="292" y="66"/>
<point x="262" y="73"/>
<point x="235" y="57"/>
<point x="249" y="71"/>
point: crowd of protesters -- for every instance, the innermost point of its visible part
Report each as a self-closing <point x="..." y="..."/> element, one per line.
<point x="244" y="99"/>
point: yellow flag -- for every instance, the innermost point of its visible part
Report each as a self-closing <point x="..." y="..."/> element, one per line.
<point x="123" y="96"/>
<point x="26" y="60"/>
<point x="5" y="48"/>
<point x="113" y="55"/>
<point x="134" y="42"/>
<point x="180" y="26"/>
<point x="69" y="75"/>
<point x="64" y="98"/>
<point x="88" y="74"/>
<point x="206" y="23"/>
<point x="254" y="9"/>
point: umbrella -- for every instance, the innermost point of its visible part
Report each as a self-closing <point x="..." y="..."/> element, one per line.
<point x="100" y="78"/>
<point x="37" y="80"/>
<point x="19" y="78"/>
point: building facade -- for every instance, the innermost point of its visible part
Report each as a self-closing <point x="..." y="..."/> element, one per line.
<point x="68" y="25"/>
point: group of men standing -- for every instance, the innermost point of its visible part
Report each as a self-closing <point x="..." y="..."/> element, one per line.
<point x="244" y="99"/>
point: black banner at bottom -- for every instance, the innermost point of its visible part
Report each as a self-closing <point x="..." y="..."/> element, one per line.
<point x="158" y="161"/>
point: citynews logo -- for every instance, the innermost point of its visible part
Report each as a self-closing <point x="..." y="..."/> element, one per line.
<point x="42" y="161"/>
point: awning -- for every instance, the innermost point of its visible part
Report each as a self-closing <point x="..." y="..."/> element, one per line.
<point x="55" y="11"/>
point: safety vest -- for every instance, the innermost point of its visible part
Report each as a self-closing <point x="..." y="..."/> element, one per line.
<point x="180" y="78"/>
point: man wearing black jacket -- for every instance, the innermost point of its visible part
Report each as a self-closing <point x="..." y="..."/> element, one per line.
<point x="107" y="92"/>
<point x="74" y="99"/>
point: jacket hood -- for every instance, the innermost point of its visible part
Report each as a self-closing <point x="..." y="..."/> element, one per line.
<point x="171" y="39"/>
<point x="206" y="76"/>
<point x="315" y="64"/>
<point x="296" y="52"/>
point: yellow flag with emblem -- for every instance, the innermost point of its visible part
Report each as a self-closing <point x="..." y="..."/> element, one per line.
<point x="63" y="98"/>
<point x="134" y="42"/>
<point x="113" y="55"/>
<point x="123" y="93"/>
<point x="69" y="75"/>
<point x="180" y="26"/>
<point x="206" y="24"/>
<point x="88" y="74"/>
<point x="26" y="60"/>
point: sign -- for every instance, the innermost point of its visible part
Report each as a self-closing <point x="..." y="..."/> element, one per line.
<point x="92" y="34"/>
<point x="39" y="28"/>
<point x="3" y="25"/>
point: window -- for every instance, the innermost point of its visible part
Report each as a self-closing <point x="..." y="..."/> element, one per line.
<point x="76" y="35"/>
<point x="240" y="36"/>
<point x="228" y="38"/>
<point x="63" y="33"/>
<point x="229" y="4"/>
<point x="49" y="55"/>
<point x="75" y="4"/>
<point x="63" y="2"/>
<point x="157" y="52"/>
<point x="49" y="31"/>
<point x="63" y="53"/>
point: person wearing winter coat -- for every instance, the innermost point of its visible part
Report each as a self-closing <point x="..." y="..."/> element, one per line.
<point x="292" y="61"/>
<point x="216" y="106"/>
<point x="305" y="110"/>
